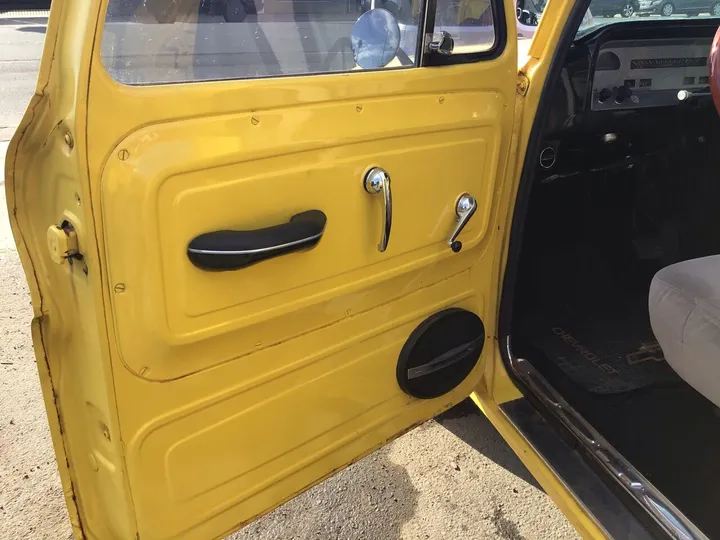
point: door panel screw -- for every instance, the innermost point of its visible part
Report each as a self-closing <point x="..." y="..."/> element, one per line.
<point x="120" y="288"/>
<point x="123" y="155"/>
<point x="255" y="120"/>
<point x="359" y="108"/>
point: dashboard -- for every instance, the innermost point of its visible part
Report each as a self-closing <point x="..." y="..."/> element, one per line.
<point x="631" y="74"/>
<point x="630" y="94"/>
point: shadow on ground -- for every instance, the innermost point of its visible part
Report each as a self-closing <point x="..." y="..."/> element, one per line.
<point x="470" y="425"/>
<point x="16" y="21"/>
<point x="33" y="29"/>
<point x="371" y="499"/>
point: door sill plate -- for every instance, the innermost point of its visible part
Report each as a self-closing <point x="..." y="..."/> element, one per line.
<point x="661" y="510"/>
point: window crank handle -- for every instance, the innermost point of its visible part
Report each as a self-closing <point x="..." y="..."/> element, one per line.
<point x="377" y="181"/>
<point x="464" y="209"/>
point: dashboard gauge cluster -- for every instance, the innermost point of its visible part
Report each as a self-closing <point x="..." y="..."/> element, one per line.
<point x="648" y="73"/>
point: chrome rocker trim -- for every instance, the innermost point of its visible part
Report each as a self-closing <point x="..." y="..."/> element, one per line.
<point x="663" y="512"/>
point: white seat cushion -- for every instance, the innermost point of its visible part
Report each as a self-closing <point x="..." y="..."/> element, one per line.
<point x="685" y="316"/>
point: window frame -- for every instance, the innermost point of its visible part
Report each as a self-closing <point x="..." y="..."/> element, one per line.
<point x="425" y="58"/>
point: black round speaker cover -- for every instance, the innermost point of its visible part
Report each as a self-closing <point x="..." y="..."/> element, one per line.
<point x="440" y="353"/>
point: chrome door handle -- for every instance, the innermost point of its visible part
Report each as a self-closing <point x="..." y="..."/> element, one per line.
<point x="464" y="209"/>
<point x="377" y="180"/>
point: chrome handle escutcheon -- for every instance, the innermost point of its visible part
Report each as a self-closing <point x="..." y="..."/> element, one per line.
<point x="376" y="181"/>
<point x="464" y="209"/>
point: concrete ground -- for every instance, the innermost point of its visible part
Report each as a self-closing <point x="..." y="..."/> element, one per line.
<point x="452" y="478"/>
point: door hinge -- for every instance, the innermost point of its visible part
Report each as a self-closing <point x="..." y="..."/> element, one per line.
<point x="63" y="243"/>
<point x="523" y="83"/>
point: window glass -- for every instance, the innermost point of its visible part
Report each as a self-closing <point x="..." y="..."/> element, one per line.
<point x="604" y="12"/>
<point x="469" y="23"/>
<point x="169" y="41"/>
<point x="528" y="16"/>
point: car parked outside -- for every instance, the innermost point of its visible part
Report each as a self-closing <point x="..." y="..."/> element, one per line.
<point x="666" y="8"/>
<point x="168" y="11"/>
<point x="232" y="10"/>
<point x="610" y="8"/>
<point x="16" y="5"/>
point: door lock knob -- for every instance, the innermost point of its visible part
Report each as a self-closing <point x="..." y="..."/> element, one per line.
<point x="464" y="209"/>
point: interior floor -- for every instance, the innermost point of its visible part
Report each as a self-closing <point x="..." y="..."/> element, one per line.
<point x="671" y="434"/>
<point x="592" y="245"/>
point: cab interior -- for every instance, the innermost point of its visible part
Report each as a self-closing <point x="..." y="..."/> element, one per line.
<point x="623" y="185"/>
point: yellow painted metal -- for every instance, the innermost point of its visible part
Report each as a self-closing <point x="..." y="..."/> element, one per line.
<point x="236" y="391"/>
<point x="183" y="404"/>
<point x="534" y="59"/>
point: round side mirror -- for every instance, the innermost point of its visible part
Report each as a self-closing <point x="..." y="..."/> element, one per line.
<point x="375" y="39"/>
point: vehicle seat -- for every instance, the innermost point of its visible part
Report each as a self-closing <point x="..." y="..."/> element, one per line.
<point x="685" y="317"/>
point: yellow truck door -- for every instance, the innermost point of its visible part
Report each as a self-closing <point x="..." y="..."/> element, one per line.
<point x="261" y="242"/>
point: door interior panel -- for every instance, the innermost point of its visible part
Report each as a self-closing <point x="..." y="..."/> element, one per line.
<point x="188" y="178"/>
<point x="201" y="461"/>
<point x="237" y="390"/>
<point x="184" y="402"/>
<point x="310" y="339"/>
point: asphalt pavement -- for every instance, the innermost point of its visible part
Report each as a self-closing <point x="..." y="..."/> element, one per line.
<point x="21" y="42"/>
<point x="452" y="478"/>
